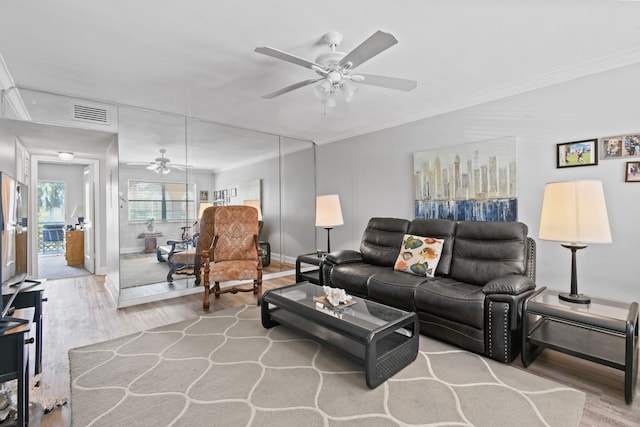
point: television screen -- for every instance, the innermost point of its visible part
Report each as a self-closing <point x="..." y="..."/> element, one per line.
<point x="14" y="241"/>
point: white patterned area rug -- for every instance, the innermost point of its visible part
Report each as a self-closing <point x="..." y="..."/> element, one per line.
<point x="225" y="369"/>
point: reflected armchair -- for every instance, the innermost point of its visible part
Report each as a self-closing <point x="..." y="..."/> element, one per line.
<point x="235" y="253"/>
<point x="190" y="261"/>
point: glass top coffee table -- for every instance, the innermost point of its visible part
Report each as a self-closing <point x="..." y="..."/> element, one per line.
<point x="383" y="338"/>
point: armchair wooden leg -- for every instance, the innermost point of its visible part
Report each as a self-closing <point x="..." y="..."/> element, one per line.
<point x="205" y="301"/>
<point x="216" y="289"/>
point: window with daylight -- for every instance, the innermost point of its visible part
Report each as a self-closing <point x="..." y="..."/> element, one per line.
<point x="161" y="201"/>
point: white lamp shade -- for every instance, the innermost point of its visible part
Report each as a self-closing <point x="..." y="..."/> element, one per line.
<point x="255" y="204"/>
<point x="574" y="212"/>
<point x="203" y="206"/>
<point x="78" y="211"/>
<point x="328" y="211"/>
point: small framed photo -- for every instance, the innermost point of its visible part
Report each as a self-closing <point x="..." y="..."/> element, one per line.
<point x="615" y="147"/>
<point x="225" y="194"/>
<point x="234" y="192"/>
<point x="577" y="153"/>
<point x="632" y="172"/>
<point x="204" y="195"/>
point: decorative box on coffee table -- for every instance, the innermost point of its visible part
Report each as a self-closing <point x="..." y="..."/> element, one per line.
<point x="383" y="338"/>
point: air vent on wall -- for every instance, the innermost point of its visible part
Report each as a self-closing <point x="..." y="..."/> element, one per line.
<point x="90" y="114"/>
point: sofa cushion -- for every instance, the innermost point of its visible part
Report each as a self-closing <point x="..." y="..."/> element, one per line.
<point x="451" y="299"/>
<point x="441" y="229"/>
<point x="381" y="240"/>
<point x="395" y="288"/>
<point x="485" y="250"/>
<point x="353" y="277"/>
<point x="419" y="255"/>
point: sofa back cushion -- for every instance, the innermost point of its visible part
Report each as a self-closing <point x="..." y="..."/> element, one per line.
<point x="382" y="239"/>
<point x="440" y="229"/>
<point x="484" y="250"/>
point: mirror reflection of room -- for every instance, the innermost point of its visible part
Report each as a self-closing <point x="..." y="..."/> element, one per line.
<point x="190" y="164"/>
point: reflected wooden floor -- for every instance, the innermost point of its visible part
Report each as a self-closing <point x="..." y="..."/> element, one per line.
<point x="80" y="312"/>
<point x="181" y="283"/>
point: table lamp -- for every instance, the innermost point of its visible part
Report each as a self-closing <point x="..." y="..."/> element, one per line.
<point x="256" y="204"/>
<point x="574" y="212"/>
<point x="78" y="211"/>
<point x="328" y="214"/>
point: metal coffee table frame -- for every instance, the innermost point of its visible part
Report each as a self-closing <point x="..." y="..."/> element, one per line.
<point x="384" y="339"/>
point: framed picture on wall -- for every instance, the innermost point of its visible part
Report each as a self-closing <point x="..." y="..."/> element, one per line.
<point x="234" y="192"/>
<point x="577" y="153"/>
<point x="204" y="195"/>
<point x="616" y="147"/>
<point x="632" y="172"/>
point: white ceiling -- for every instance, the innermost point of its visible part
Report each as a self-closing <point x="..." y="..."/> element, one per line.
<point x="196" y="57"/>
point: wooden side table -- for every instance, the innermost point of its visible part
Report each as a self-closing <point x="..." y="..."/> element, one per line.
<point x="314" y="275"/>
<point x="604" y="332"/>
<point x="75" y="247"/>
<point x="150" y="241"/>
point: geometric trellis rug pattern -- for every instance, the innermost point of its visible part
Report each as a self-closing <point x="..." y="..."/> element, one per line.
<point x="225" y="369"/>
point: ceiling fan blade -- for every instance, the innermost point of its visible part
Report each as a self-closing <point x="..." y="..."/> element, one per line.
<point x="290" y="88"/>
<point x="388" y="82"/>
<point x="284" y="56"/>
<point x="153" y="166"/>
<point x="178" y="167"/>
<point x="377" y="43"/>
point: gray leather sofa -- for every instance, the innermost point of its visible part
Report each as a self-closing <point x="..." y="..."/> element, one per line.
<point x="486" y="271"/>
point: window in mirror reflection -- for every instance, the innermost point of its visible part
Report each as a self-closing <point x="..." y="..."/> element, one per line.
<point x="161" y="201"/>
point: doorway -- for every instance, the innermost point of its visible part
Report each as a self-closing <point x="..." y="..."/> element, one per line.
<point x="61" y="210"/>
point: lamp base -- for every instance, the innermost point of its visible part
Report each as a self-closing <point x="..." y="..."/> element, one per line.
<point x="575" y="298"/>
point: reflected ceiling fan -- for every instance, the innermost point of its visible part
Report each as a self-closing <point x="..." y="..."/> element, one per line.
<point x="162" y="165"/>
<point x="336" y="69"/>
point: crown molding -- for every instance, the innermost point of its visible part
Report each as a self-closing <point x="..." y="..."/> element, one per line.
<point x="11" y="94"/>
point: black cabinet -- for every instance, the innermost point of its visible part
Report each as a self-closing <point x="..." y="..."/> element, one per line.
<point x="14" y="360"/>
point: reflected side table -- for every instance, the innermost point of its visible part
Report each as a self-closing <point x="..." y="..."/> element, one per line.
<point x="604" y="332"/>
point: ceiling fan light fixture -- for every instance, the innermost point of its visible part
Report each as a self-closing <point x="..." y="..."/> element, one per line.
<point x="322" y="90"/>
<point x="349" y="91"/>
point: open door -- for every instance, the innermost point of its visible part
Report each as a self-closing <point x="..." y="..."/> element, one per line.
<point x="89" y="217"/>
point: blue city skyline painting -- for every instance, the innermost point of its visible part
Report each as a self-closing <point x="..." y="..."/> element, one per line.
<point x="471" y="182"/>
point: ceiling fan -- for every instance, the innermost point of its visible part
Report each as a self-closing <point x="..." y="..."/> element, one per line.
<point x="335" y="68"/>
<point x="162" y="165"/>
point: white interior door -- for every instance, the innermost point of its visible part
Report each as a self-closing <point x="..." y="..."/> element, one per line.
<point x="89" y="217"/>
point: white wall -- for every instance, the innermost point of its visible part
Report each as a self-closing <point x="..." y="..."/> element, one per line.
<point x="374" y="173"/>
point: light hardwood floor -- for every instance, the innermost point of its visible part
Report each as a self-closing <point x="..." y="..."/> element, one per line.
<point x="80" y="311"/>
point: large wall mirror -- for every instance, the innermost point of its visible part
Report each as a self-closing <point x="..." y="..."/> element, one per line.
<point x="156" y="170"/>
<point x="171" y="166"/>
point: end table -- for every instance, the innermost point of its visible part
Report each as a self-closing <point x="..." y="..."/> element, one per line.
<point x="604" y="332"/>
<point x="313" y="275"/>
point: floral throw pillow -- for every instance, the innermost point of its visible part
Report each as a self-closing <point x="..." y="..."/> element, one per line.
<point x="419" y="255"/>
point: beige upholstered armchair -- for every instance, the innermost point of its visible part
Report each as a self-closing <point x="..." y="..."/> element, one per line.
<point x="235" y="253"/>
<point x="190" y="261"/>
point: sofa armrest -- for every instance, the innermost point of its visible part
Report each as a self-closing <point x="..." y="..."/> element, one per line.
<point x="512" y="284"/>
<point x="343" y="257"/>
